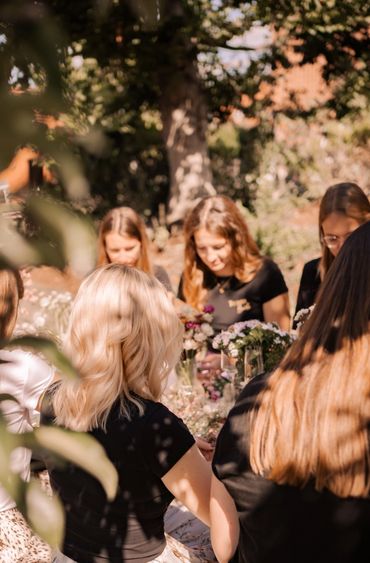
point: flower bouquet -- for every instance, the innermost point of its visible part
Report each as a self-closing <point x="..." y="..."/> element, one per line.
<point x="253" y="346"/>
<point x="198" y="330"/>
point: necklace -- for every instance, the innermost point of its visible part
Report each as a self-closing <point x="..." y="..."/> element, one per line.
<point x="223" y="285"/>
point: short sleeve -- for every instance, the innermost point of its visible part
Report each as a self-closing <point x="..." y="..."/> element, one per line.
<point x="162" y="276"/>
<point x="231" y="458"/>
<point x="180" y="291"/>
<point x="272" y="283"/>
<point x="309" y="285"/>
<point x="165" y="440"/>
<point x="39" y="375"/>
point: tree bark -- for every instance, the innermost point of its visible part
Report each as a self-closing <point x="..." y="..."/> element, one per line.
<point x="184" y="118"/>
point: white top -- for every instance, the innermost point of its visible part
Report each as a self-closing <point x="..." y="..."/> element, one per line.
<point x="24" y="376"/>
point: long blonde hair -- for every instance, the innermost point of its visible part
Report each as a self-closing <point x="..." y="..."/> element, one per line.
<point x="311" y="422"/>
<point x="11" y="291"/>
<point x="219" y="215"/>
<point x="347" y="199"/>
<point x="124" y="337"/>
<point x="124" y="221"/>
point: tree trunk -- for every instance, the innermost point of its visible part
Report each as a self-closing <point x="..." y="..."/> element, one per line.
<point x="184" y="118"/>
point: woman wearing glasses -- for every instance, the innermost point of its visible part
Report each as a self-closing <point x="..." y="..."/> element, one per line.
<point x="343" y="209"/>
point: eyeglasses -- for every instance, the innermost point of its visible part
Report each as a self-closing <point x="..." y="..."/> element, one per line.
<point x="332" y="241"/>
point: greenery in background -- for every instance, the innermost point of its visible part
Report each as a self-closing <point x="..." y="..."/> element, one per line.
<point x="302" y="159"/>
<point x="61" y="238"/>
<point x="126" y="62"/>
<point x="116" y="71"/>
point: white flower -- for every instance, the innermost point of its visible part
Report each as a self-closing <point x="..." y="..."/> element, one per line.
<point x="190" y="345"/>
<point x="207" y="317"/>
<point x="39" y="321"/>
<point x="207" y="329"/>
<point x="44" y="302"/>
<point x="200" y="337"/>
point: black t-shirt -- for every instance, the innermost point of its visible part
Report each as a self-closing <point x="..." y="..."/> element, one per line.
<point x="130" y="528"/>
<point x="281" y="523"/>
<point x="309" y="285"/>
<point x="235" y="301"/>
<point x="162" y="276"/>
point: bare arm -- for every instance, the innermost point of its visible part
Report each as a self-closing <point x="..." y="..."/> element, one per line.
<point x="189" y="480"/>
<point x="277" y="310"/>
<point x="224" y="522"/>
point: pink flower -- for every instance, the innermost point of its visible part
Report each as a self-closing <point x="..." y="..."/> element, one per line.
<point x="208" y="309"/>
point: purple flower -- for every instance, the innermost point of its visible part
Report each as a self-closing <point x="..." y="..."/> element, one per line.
<point x="191" y="324"/>
<point x="208" y="309"/>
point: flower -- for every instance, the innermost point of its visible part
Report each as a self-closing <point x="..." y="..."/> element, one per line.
<point x="302" y="316"/>
<point x="208" y="309"/>
<point x="253" y="334"/>
<point x="197" y="330"/>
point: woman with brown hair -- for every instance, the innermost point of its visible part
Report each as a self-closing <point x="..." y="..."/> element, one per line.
<point x="224" y="268"/>
<point x="343" y="209"/>
<point x="123" y="240"/>
<point x="292" y="480"/>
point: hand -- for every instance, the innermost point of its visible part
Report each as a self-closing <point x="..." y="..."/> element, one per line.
<point x="206" y="449"/>
<point x="210" y="365"/>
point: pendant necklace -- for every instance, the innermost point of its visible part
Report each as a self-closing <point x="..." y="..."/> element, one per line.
<point x="223" y="285"/>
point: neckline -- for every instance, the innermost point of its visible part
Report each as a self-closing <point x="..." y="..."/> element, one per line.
<point x="223" y="283"/>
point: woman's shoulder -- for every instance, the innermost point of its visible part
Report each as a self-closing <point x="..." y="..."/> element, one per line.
<point x="311" y="268"/>
<point x="161" y="274"/>
<point x="231" y="453"/>
<point x="24" y="362"/>
<point x="269" y="279"/>
<point x="269" y="265"/>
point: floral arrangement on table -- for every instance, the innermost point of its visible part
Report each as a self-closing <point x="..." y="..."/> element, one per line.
<point x="198" y="331"/>
<point x="262" y="345"/>
<point x="203" y="417"/>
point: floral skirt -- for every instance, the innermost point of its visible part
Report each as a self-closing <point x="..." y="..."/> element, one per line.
<point x="174" y="552"/>
<point x="18" y="544"/>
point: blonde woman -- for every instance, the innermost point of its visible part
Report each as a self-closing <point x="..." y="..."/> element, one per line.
<point x="292" y="480"/>
<point x="25" y="377"/>
<point x="124" y="337"/>
<point x="123" y="240"/>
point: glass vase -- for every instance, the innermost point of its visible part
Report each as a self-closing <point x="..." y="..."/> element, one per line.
<point x="253" y="363"/>
<point x="186" y="370"/>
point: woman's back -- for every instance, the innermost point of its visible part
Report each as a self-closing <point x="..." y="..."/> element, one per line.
<point x="282" y="523"/>
<point x="143" y="449"/>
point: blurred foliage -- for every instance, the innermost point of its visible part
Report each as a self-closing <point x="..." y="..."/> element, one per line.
<point x="302" y="159"/>
<point x="45" y="514"/>
<point x="115" y="58"/>
<point x="337" y="30"/>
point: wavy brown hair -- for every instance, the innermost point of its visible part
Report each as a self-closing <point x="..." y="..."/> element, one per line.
<point x="311" y="422"/>
<point x="124" y="221"/>
<point x="220" y="216"/>
<point x="347" y="199"/>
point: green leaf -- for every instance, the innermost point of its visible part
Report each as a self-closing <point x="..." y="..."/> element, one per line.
<point x="45" y="514"/>
<point x="72" y="233"/>
<point x="49" y="350"/>
<point x="7" y="397"/>
<point x="80" y="449"/>
<point x="12" y="483"/>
